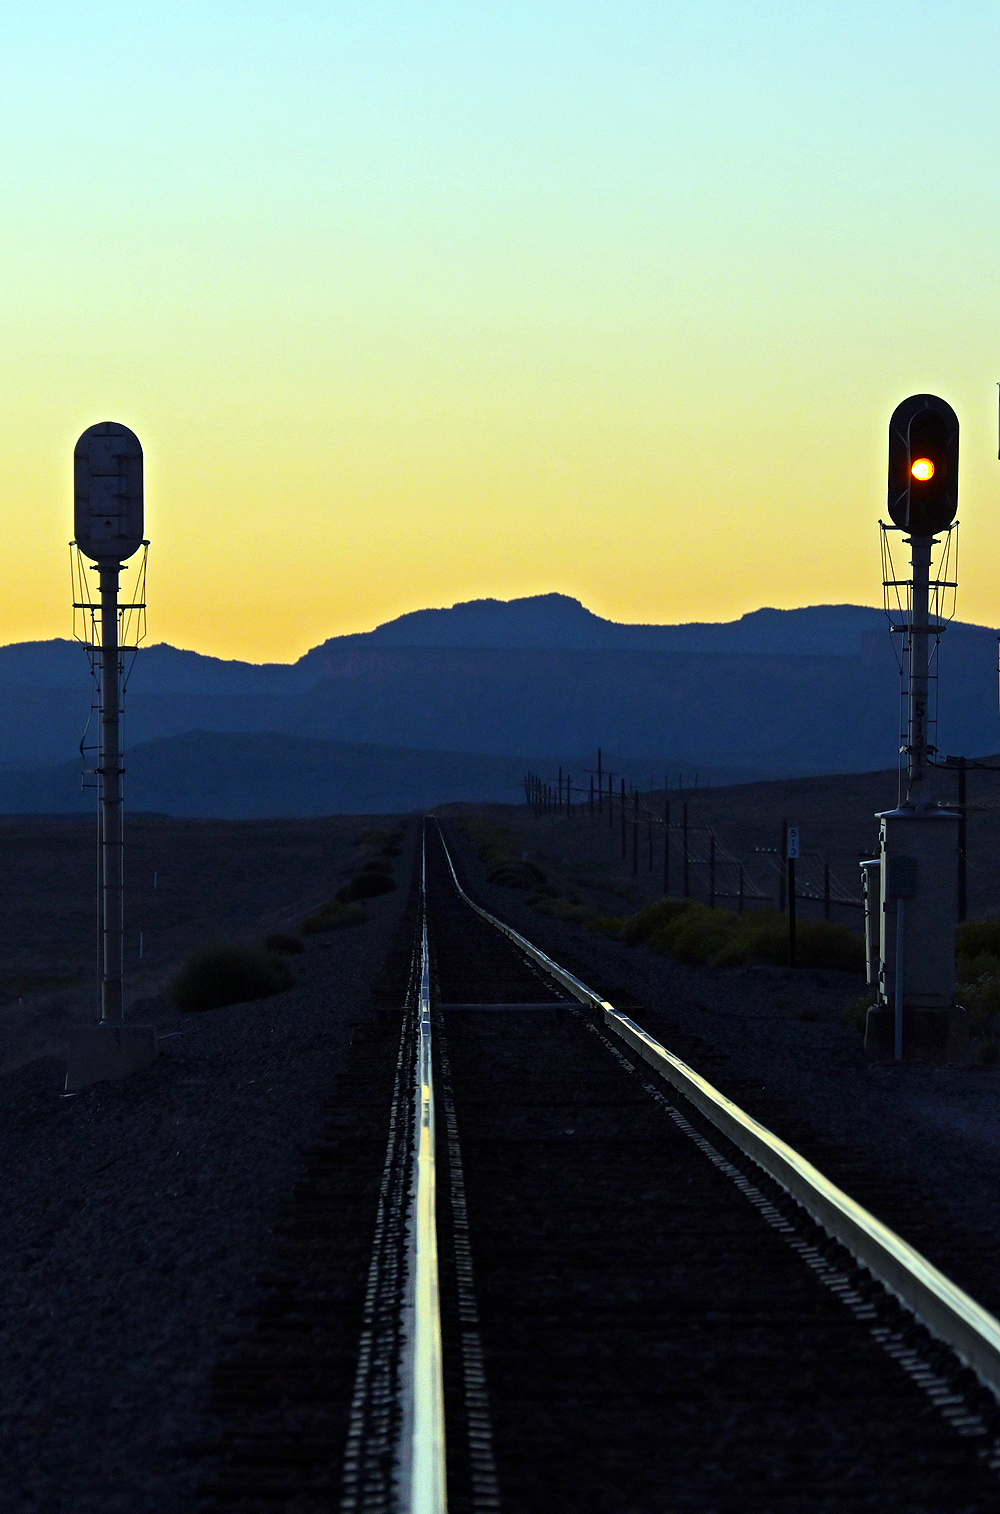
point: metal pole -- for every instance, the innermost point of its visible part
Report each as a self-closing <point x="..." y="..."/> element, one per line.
<point x="624" y="825"/>
<point x="611" y="816"/>
<point x="600" y="784"/>
<point x="635" y="832"/>
<point x="916" y="740"/>
<point x="666" y="839"/>
<point x="711" y="870"/>
<point x="791" y="911"/>
<point x="111" y="800"/>
<point x="687" y="855"/>
<point x="963" y="866"/>
<point x="591" y="796"/>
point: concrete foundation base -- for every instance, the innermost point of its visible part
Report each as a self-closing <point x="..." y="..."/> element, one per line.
<point x="98" y="1053"/>
<point x="939" y="1036"/>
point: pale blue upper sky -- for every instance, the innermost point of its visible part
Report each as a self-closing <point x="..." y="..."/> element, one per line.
<point x="413" y="302"/>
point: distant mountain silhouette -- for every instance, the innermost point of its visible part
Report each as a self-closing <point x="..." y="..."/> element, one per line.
<point x="542" y="679"/>
<point x="549" y="622"/>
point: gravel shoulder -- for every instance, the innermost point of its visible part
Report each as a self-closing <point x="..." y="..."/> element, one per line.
<point x="919" y="1146"/>
<point x="137" y="1215"/>
<point x="188" y="882"/>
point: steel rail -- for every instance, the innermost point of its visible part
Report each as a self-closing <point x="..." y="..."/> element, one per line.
<point x="422" y="1474"/>
<point x="944" y="1308"/>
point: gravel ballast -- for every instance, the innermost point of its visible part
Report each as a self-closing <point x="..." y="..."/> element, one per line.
<point x="135" y="1217"/>
<point x="918" y="1145"/>
<point x="139" y="1216"/>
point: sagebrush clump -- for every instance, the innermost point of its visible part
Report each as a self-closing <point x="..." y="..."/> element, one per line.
<point x="640" y="926"/>
<point x="978" y="938"/>
<point x="229" y="974"/>
<point x="334" y="915"/>
<point x="692" y="932"/>
<point x="513" y="872"/>
<point x="365" y="885"/>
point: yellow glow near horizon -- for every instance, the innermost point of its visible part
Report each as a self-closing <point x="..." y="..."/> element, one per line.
<point x="412" y="303"/>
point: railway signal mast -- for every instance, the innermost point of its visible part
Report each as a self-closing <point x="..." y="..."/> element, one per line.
<point x="108" y="524"/>
<point x="916" y="1016"/>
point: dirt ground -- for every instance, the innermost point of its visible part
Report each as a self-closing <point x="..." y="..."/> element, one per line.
<point x="138" y="1217"/>
<point x="187" y="883"/>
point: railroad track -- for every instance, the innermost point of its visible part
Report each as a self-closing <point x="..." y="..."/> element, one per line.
<point x="597" y="1285"/>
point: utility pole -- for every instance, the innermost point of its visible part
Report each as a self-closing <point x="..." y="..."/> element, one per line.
<point x="666" y="838"/>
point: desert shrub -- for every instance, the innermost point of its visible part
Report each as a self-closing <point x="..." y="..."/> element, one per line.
<point x="493" y="842"/>
<point x="982" y="1000"/>
<point x="229" y="974"/>
<point x="566" y="909"/>
<point x="983" y="966"/>
<point x="607" y="925"/>
<point x="976" y="937"/>
<point x="334" y="915"/>
<point x="818" y="943"/>
<point x="721" y="939"/>
<point x="278" y="941"/>
<point x="512" y="874"/>
<point x="364" y="886"/>
<point x="492" y="851"/>
<point x="640" y="927"/>
<point x="697" y="934"/>
<point x="759" y="938"/>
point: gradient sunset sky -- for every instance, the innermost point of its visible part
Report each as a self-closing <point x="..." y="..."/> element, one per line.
<point x="418" y="302"/>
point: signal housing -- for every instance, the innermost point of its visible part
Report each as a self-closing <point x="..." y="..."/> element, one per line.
<point x="923" y="428"/>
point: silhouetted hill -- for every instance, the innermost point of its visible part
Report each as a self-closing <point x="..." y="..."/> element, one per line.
<point x="776" y="693"/>
<point x="555" y="621"/>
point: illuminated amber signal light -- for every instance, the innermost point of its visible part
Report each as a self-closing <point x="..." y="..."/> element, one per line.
<point x="922" y="469"/>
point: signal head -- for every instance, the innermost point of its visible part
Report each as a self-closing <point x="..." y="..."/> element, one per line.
<point x="107" y="481"/>
<point x="923" y="465"/>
